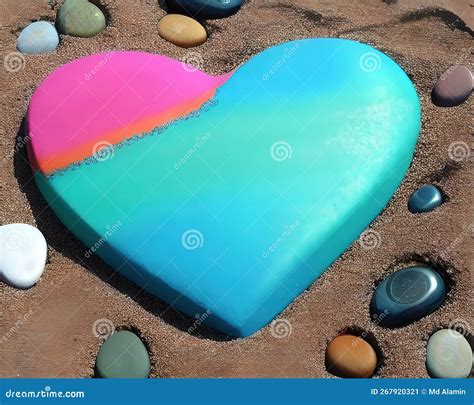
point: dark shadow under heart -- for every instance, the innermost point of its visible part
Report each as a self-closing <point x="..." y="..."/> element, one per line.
<point x="59" y="238"/>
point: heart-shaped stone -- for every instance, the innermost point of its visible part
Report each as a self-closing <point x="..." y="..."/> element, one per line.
<point x="230" y="202"/>
<point x="23" y="252"/>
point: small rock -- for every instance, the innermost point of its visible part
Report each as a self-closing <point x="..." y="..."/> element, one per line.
<point x="425" y="199"/>
<point x="182" y="31"/>
<point x="350" y="356"/>
<point x="79" y="18"/>
<point x="23" y="255"/>
<point x="38" y="37"/>
<point x="406" y="296"/>
<point x="206" y="8"/>
<point x="123" y="355"/>
<point x="453" y="87"/>
<point x="448" y="355"/>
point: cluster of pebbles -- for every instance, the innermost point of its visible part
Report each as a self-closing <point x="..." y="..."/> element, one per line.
<point x="81" y="18"/>
<point x="403" y="297"/>
<point x="78" y="18"/>
<point x="414" y="292"/>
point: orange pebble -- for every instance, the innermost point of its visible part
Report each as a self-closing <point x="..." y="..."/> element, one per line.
<point x="350" y="356"/>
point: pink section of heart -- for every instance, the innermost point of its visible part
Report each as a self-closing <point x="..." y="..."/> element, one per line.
<point x="137" y="92"/>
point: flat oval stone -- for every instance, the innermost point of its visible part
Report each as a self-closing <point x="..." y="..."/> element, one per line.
<point x="448" y="355"/>
<point x="123" y="355"/>
<point x="351" y="357"/>
<point x="425" y="199"/>
<point x="453" y="87"/>
<point x="23" y="255"/>
<point x="406" y="296"/>
<point x="182" y="31"/>
<point x="37" y="38"/>
<point x="206" y="8"/>
<point x="80" y="18"/>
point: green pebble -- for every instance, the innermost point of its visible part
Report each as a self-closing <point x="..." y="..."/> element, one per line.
<point x="123" y="355"/>
<point x="79" y="18"/>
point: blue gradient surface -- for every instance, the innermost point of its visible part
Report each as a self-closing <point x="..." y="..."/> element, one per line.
<point x="236" y="211"/>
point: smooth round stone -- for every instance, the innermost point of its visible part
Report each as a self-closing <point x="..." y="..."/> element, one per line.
<point x="38" y="37"/>
<point x="206" y="8"/>
<point x="123" y="355"/>
<point x="350" y="356"/>
<point x="23" y="255"/>
<point x="448" y="355"/>
<point x="453" y="87"/>
<point x="182" y="31"/>
<point x="79" y="18"/>
<point x="406" y="296"/>
<point x="425" y="199"/>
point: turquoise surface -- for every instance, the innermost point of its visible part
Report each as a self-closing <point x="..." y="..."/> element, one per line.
<point x="237" y="210"/>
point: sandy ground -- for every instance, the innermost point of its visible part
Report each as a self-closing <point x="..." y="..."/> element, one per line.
<point x="46" y="331"/>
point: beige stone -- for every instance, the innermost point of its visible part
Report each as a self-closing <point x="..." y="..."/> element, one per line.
<point x="182" y="30"/>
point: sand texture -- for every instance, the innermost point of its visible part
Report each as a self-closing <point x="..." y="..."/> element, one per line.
<point x="47" y="331"/>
